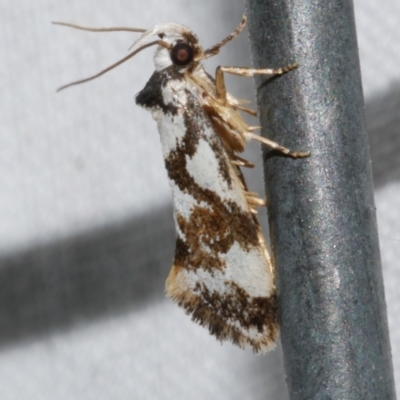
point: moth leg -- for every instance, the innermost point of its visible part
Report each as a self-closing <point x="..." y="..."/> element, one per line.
<point x="246" y="110"/>
<point x="221" y="95"/>
<point x="254" y="201"/>
<point x="246" y="71"/>
<point x="221" y="92"/>
<point x="241" y="162"/>
<point x="278" y="147"/>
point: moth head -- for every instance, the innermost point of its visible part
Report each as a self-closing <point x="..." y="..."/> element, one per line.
<point x="177" y="45"/>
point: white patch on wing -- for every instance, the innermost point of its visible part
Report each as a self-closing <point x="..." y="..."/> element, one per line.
<point x="172" y="130"/>
<point x="215" y="282"/>
<point x="247" y="269"/>
<point x="174" y="93"/>
<point x="203" y="167"/>
<point x="185" y="202"/>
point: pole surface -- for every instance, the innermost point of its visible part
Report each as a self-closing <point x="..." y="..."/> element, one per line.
<point x="332" y="310"/>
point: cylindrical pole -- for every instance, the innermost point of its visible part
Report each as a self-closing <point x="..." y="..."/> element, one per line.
<point x="323" y="228"/>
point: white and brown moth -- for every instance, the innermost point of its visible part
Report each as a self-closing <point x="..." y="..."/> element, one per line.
<point x="222" y="272"/>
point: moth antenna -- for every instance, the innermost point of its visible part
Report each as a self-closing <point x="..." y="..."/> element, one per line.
<point x="159" y="42"/>
<point x="85" y="28"/>
<point x="213" y="50"/>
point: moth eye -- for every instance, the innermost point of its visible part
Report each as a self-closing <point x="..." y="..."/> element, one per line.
<point x="181" y="54"/>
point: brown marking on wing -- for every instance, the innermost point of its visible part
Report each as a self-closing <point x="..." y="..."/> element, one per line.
<point x="222" y="164"/>
<point x="182" y="251"/>
<point x="193" y="113"/>
<point x="151" y="95"/>
<point x="195" y="254"/>
<point x="209" y="232"/>
<point x="220" y="219"/>
<point x="214" y="228"/>
<point x="218" y="312"/>
<point x="237" y="305"/>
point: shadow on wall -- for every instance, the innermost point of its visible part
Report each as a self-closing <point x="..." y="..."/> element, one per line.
<point x="87" y="276"/>
<point x="383" y="124"/>
<point x="124" y="265"/>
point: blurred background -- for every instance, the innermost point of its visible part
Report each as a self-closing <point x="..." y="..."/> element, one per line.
<point x="86" y="229"/>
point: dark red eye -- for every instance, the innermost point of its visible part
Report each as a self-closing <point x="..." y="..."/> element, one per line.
<point x="181" y="54"/>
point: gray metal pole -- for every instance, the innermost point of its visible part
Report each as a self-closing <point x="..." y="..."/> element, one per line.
<point x="332" y="311"/>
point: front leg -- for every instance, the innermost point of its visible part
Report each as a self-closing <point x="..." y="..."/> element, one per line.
<point x="244" y="71"/>
<point x="221" y="95"/>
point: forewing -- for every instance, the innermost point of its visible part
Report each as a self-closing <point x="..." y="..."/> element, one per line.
<point x="222" y="273"/>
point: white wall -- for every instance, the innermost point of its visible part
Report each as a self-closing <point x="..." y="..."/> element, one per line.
<point x="86" y="232"/>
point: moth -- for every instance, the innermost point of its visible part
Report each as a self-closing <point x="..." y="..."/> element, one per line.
<point x="222" y="272"/>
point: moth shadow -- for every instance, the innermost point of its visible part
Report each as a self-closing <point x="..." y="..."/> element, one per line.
<point x="106" y="271"/>
<point x="272" y="153"/>
<point x="269" y="80"/>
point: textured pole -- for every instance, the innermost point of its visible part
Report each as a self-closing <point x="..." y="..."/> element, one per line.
<point x="332" y="310"/>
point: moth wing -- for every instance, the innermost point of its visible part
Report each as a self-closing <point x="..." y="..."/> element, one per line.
<point x="222" y="273"/>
